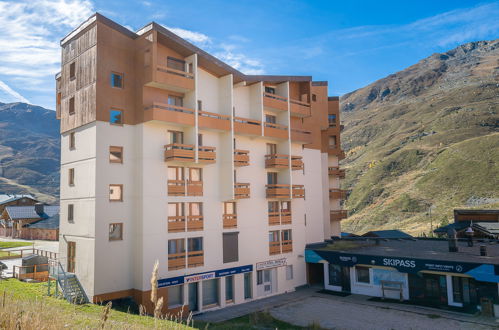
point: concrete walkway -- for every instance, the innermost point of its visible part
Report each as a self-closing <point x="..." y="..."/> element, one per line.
<point x="306" y="306"/>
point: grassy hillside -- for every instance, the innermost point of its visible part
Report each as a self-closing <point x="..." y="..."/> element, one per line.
<point x="424" y="141"/>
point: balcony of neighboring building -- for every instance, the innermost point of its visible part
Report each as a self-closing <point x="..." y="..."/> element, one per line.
<point x="338" y="215"/>
<point x="213" y="121"/>
<point x="241" y="157"/>
<point x="279" y="213"/>
<point x="275" y="131"/>
<point x="195" y="222"/>
<point x="246" y="126"/>
<point x="298" y="191"/>
<point x="336" y="171"/>
<point x="337" y="193"/>
<point x="241" y="190"/>
<point x="169" y="113"/>
<point x="207" y="155"/>
<point x="299" y="108"/>
<point x="278" y="191"/>
<point x="275" y="102"/>
<point x="185" y="188"/>
<point x="195" y="258"/>
<point x="301" y="135"/>
<point x="176" y="223"/>
<point x="176" y="261"/>
<point x="173" y="74"/>
<point x="185" y="153"/>
<point x="280" y="241"/>
<point x="279" y="161"/>
<point x="229" y="217"/>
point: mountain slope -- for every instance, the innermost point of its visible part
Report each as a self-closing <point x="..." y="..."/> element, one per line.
<point x="29" y="151"/>
<point x="424" y="141"/>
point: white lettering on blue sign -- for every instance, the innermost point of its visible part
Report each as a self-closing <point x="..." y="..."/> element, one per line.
<point x="399" y="263"/>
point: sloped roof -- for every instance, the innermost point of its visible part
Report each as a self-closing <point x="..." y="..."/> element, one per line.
<point x="6" y="198"/>
<point x="48" y="223"/>
<point x="491" y="228"/>
<point x="387" y="234"/>
<point x="28" y="212"/>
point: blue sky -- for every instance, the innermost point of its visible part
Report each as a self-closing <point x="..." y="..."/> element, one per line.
<point x="348" y="43"/>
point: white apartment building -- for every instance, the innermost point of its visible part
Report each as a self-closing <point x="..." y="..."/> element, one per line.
<point x="169" y="154"/>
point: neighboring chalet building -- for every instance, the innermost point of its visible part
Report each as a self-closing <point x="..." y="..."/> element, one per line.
<point x="169" y="154"/>
<point x="37" y="221"/>
<point x="394" y="233"/>
<point x="485" y="224"/>
<point x="16" y="200"/>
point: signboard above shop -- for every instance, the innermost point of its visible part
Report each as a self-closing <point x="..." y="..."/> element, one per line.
<point x="271" y="264"/>
<point x="204" y="276"/>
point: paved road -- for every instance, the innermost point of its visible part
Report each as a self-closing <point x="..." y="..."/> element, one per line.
<point x="340" y="313"/>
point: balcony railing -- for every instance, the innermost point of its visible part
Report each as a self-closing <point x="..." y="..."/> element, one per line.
<point x="173" y="79"/>
<point x="275" y="247"/>
<point x="301" y="135"/>
<point x="241" y="190"/>
<point x="336" y="171"/>
<point x="276" y="161"/>
<point x="169" y="113"/>
<point x="337" y="193"/>
<point x="207" y="155"/>
<point x="194" y="188"/>
<point x="229" y="221"/>
<point x="241" y="157"/>
<point x="299" y="108"/>
<point x="195" y="258"/>
<point x="296" y="163"/>
<point x="287" y="246"/>
<point x="275" y="131"/>
<point x="176" y="224"/>
<point x="214" y="121"/>
<point x="275" y="102"/>
<point x="194" y="222"/>
<point x="176" y="261"/>
<point x="179" y="152"/>
<point x="285" y="217"/>
<point x="298" y="191"/>
<point x="176" y="187"/>
<point x="245" y="126"/>
<point x="278" y="190"/>
<point x="338" y="215"/>
<point x="274" y="218"/>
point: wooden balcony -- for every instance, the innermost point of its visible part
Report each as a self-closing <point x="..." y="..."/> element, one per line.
<point x="195" y="258"/>
<point x="179" y="152"/>
<point x="241" y="190"/>
<point x="176" y="187"/>
<point x="299" y="108"/>
<point x="297" y="163"/>
<point x="337" y="193"/>
<point x="298" y="191"/>
<point x="214" y="121"/>
<point x="194" y="222"/>
<point x="169" y="113"/>
<point x="335" y="150"/>
<point x="275" y="131"/>
<point x="172" y="79"/>
<point x="338" y="215"/>
<point x="301" y="136"/>
<point x="245" y="126"/>
<point x="336" y="171"/>
<point x="176" y="224"/>
<point x="276" y="161"/>
<point x="278" y="190"/>
<point x="194" y="188"/>
<point x="207" y="155"/>
<point x="229" y="221"/>
<point x="274" y="248"/>
<point x="285" y="217"/>
<point x="241" y="157"/>
<point x="287" y="246"/>
<point x="274" y="218"/>
<point x="176" y="261"/>
<point x="275" y="102"/>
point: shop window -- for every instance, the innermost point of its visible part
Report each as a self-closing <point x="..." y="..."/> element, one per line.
<point x="115" y="231"/>
<point x="334" y="275"/>
<point x="229" y="289"/>
<point x="175" y="296"/>
<point x="70" y="213"/>
<point x="362" y="274"/>
<point x="116" y="80"/>
<point x="230" y="247"/>
<point x="116" y="117"/>
<point x="259" y="277"/>
<point x="116" y="155"/>
<point x="247" y="286"/>
<point x="211" y="293"/>
<point x="457" y="292"/>
<point x="289" y="272"/>
<point x="116" y="192"/>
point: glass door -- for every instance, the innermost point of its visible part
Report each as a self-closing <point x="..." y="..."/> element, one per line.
<point x="193" y="296"/>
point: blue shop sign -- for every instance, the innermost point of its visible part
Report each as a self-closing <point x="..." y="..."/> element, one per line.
<point x="202" y="276"/>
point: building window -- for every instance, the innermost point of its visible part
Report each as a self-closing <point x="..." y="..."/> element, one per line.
<point x="116" y="80"/>
<point x="72" y="140"/>
<point x="230" y="247"/>
<point x="175" y="296"/>
<point x="271" y="178"/>
<point x="331" y="118"/>
<point x="200" y="140"/>
<point x="72" y="71"/>
<point x="289" y="272"/>
<point x="211" y="293"/>
<point x="286" y="235"/>
<point x="334" y="275"/>
<point x="195" y="174"/>
<point x="72" y="106"/>
<point x="116" y="117"/>
<point x="115" y="231"/>
<point x="116" y="155"/>
<point x="270" y="119"/>
<point x="362" y="274"/>
<point x="230" y="208"/>
<point x="457" y="292"/>
<point x="314" y="98"/>
<point x="70" y="212"/>
<point x="176" y="246"/>
<point x="195" y="244"/>
<point x="71" y="176"/>
<point x="175" y="100"/>
<point x="274" y="236"/>
<point x="229" y="289"/>
<point x="176" y="137"/>
<point x="270" y="90"/>
<point x="332" y="141"/>
<point x="271" y="148"/>
<point x="116" y="192"/>
<point x="200" y="105"/>
<point x="247" y="286"/>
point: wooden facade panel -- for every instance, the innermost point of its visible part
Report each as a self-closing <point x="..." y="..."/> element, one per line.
<point x="77" y="46"/>
<point x="84" y="109"/>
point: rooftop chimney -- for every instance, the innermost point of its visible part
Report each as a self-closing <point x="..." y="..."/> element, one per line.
<point x="452" y="235"/>
<point x="39" y="208"/>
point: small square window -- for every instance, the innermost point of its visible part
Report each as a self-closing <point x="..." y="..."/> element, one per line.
<point x="116" y="155"/>
<point x="116" y="80"/>
<point x="314" y="98"/>
<point x="71" y="140"/>
<point x="71" y="176"/>
<point x="72" y="71"/>
<point x="116" y="231"/>
<point x="116" y="192"/>
<point x="362" y="274"/>
<point x="70" y="212"/>
<point x="72" y="106"/>
<point x="116" y="117"/>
